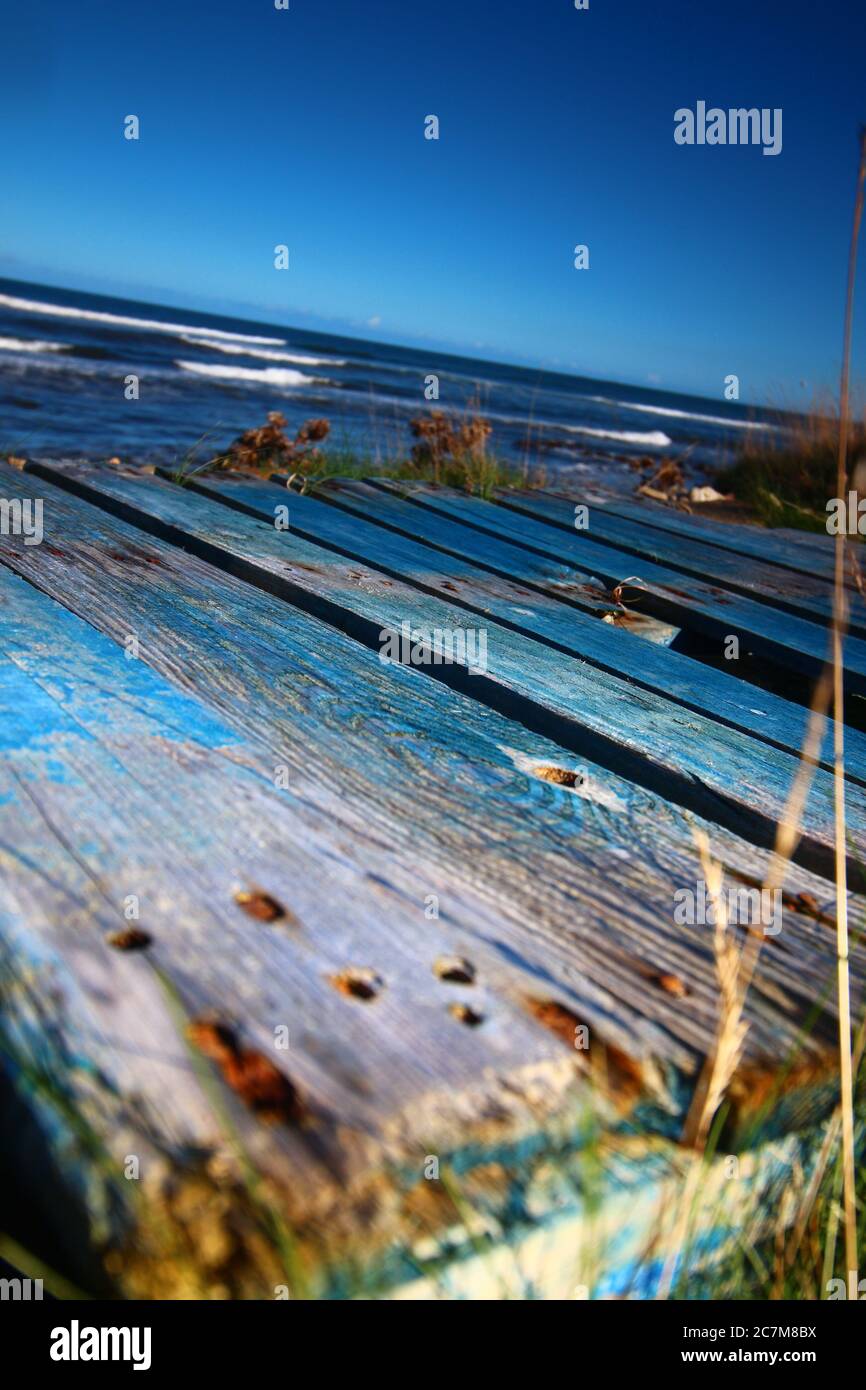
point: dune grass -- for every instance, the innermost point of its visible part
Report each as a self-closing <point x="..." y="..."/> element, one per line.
<point x="788" y="477"/>
<point x="451" y="449"/>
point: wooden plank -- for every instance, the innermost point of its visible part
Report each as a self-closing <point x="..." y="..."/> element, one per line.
<point x="114" y="784"/>
<point x="710" y="769"/>
<point x="787" y="641"/>
<point x="804" y="595"/>
<point x="535" y="855"/>
<point x="105" y="773"/>
<point x="770" y="545"/>
<point x="520" y="567"/>
<point x="423" y="773"/>
<point x="805" y="540"/>
<point x="689" y="682"/>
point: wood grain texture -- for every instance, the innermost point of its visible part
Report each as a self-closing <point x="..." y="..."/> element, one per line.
<point x="802" y="552"/>
<point x="789" y="641"/>
<point x="114" y="784"/>
<point x="521" y="567"/>
<point x="708" y="768"/>
<point x="428" y="776"/>
<point x="703" y="688"/>
<point x="398" y="787"/>
<point x="804" y="595"/>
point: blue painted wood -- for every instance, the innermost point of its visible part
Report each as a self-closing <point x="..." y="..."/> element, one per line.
<point x="710" y="769"/>
<point x="574" y="886"/>
<point x="788" y="641"/>
<point x="805" y="540"/>
<point x="114" y="783"/>
<point x="521" y="567"/>
<point x="110" y="777"/>
<point x="803" y="552"/>
<point x="804" y="595"/>
<point x="117" y="777"/>
<point x="689" y="682"/>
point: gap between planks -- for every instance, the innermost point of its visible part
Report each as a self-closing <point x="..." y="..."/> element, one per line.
<point x="722" y="696"/>
<point x="113" y="574"/>
<point x="791" y="642"/>
<point x="708" y="768"/>
<point x="806" y="595"/>
<point x="803" y="552"/>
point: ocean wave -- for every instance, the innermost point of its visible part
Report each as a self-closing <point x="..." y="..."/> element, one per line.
<point x="264" y="353"/>
<point x="29" y="345"/>
<point x="652" y="439"/>
<point x="409" y="406"/>
<point x="261" y="376"/>
<point x="67" y="311"/>
<point x="682" y="414"/>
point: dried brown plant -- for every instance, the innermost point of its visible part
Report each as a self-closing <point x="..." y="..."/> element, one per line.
<point x="268" y="448"/>
<point x="448" y="443"/>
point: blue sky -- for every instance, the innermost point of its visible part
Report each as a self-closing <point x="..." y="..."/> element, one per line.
<point x="305" y="127"/>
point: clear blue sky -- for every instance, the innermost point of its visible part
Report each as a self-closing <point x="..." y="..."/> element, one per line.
<point x="305" y="127"/>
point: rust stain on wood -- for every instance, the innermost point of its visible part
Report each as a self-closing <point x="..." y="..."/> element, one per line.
<point x="672" y="984"/>
<point x="129" y="939"/>
<point x="561" y="776"/>
<point x="250" y="1074"/>
<point x="455" y="970"/>
<point x="465" y="1014"/>
<point x="623" y="1075"/>
<point x="261" y="906"/>
<point x="357" y="982"/>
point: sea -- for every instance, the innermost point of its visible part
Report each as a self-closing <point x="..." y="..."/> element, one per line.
<point x="66" y="358"/>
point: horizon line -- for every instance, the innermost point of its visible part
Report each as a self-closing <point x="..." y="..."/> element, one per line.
<point x="569" y="376"/>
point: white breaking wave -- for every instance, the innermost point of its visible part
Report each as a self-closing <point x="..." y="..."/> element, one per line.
<point x="262" y="376"/>
<point x="67" y="311"/>
<point x="29" y="345"/>
<point x="263" y="352"/>
<point x="682" y="414"/>
<point x="653" y="439"/>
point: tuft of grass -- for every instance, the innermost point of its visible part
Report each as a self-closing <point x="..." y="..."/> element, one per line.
<point x="788" y="476"/>
<point x="449" y="449"/>
<point x="186" y="464"/>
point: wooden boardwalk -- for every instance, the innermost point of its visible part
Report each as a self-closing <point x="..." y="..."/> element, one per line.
<point x="403" y="936"/>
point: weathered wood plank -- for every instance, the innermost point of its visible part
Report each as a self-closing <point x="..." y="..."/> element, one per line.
<point x="802" y="552"/>
<point x="805" y="540"/>
<point x="521" y="567"/>
<point x="697" y="686"/>
<point x="782" y="638"/>
<point x="708" y="768"/>
<point x="804" y="595"/>
<point x="425" y="774"/>
<point x="569" y="838"/>
<point x="87" y="702"/>
<point x="115" y="786"/>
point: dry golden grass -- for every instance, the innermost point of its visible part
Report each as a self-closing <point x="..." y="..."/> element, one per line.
<point x="788" y="478"/>
<point x="840" y="617"/>
<point x="734" y="966"/>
